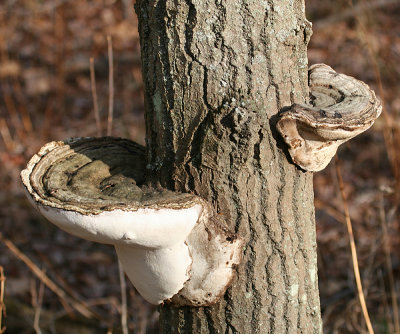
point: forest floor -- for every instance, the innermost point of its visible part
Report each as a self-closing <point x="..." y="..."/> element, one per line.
<point x="45" y="94"/>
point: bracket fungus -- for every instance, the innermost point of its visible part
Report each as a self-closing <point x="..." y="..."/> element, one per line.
<point x="341" y="107"/>
<point x="171" y="245"/>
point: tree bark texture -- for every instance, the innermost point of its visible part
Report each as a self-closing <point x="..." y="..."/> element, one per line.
<point x="216" y="74"/>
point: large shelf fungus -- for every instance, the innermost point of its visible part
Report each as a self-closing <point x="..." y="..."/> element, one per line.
<point x="170" y="244"/>
<point x="341" y="107"/>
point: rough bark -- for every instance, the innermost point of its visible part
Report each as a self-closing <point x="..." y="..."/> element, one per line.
<point x="216" y="74"/>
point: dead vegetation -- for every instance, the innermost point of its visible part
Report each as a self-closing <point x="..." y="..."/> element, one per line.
<point x="60" y="284"/>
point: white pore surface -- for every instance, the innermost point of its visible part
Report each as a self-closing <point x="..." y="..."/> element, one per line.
<point x="213" y="263"/>
<point x="157" y="274"/>
<point x="153" y="228"/>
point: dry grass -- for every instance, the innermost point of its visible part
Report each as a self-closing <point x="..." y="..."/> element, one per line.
<point x="50" y="89"/>
<point x="353" y="249"/>
<point x="110" y="86"/>
<point x="67" y="301"/>
<point x="94" y="95"/>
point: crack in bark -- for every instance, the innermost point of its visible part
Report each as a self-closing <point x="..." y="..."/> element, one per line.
<point x="246" y="29"/>
<point x="163" y="41"/>
<point x="282" y="252"/>
<point x="210" y="321"/>
<point x="295" y="204"/>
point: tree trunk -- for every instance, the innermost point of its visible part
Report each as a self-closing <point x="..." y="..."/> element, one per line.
<point x="216" y="74"/>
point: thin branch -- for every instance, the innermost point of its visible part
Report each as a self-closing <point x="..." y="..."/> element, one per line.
<point x="353" y="249"/>
<point x="6" y="135"/>
<point x="37" y="301"/>
<point x="94" y="96"/>
<point x="124" y="308"/>
<point x="67" y="301"/>
<point x="110" y="86"/>
<point x="12" y="110"/>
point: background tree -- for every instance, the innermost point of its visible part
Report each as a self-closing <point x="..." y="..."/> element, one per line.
<point x="216" y="74"/>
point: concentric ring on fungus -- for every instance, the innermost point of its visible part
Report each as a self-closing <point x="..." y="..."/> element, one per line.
<point x="93" y="175"/>
<point x="341" y="107"/>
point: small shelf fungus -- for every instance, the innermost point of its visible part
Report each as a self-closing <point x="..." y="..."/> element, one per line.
<point x="171" y="245"/>
<point x="341" y="107"/>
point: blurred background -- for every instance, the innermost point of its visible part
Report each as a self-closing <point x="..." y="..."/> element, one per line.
<point x="45" y="94"/>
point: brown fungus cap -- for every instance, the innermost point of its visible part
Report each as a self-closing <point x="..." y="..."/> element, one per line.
<point x="340" y="108"/>
<point x="93" y="175"/>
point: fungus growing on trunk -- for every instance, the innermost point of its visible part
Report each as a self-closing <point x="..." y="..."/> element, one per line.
<point x="170" y="244"/>
<point x="341" y="107"/>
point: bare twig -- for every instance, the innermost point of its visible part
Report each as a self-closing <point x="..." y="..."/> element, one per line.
<point x="64" y="285"/>
<point x="34" y="298"/>
<point x="37" y="300"/>
<point x="2" y="306"/>
<point x="6" y="135"/>
<point x="94" y="95"/>
<point x="389" y="268"/>
<point x="109" y="301"/>
<point x="124" y="309"/>
<point x="110" y="86"/>
<point x="67" y="301"/>
<point x="353" y="249"/>
<point x="12" y="111"/>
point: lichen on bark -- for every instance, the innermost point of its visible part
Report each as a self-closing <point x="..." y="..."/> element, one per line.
<point x="216" y="74"/>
